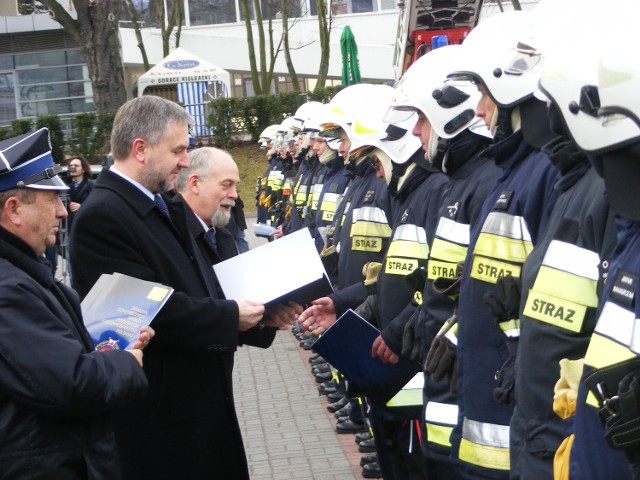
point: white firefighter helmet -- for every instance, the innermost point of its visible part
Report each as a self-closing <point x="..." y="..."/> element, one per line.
<point x="370" y="130"/>
<point x="578" y="80"/>
<point x="344" y="105"/>
<point x="268" y="135"/>
<point x="489" y="58"/>
<point x="304" y="113"/>
<point x="448" y="105"/>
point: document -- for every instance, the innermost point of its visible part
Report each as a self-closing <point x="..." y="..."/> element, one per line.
<point x="347" y="346"/>
<point x="117" y="307"/>
<point x="287" y="269"/>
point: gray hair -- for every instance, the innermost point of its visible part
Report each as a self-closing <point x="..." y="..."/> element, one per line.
<point x="201" y="162"/>
<point x="144" y="117"/>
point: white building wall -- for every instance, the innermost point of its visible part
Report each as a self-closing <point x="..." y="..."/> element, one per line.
<point x="226" y="45"/>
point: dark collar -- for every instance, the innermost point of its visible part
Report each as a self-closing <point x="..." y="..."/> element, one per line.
<point x="17" y="252"/>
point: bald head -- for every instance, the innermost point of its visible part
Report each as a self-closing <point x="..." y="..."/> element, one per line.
<point x="209" y="184"/>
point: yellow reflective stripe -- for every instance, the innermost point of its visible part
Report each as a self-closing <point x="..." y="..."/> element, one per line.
<point x="365" y="229"/>
<point x="453" y="231"/>
<point x="511" y="328"/>
<point x="408" y="249"/>
<point x="487" y="270"/>
<point x="400" y="266"/>
<point x="330" y="201"/>
<point x="488" y="457"/>
<point x="436" y="269"/>
<point x="573" y="259"/>
<point x="485" y="444"/>
<point x="506" y="225"/>
<point x="604" y="352"/>
<point x="572" y="287"/>
<point x="366" y="244"/>
<point x="618" y="324"/>
<point x="448" y="251"/>
<point x="442" y="413"/>
<point x="555" y="311"/>
<point x="504" y="248"/>
<point x="439" y="434"/>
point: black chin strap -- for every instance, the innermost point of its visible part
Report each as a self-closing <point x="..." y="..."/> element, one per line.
<point x="504" y="128"/>
<point x="396" y="173"/>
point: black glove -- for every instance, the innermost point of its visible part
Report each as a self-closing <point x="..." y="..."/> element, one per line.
<point x="411" y="344"/>
<point x="504" y="307"/>
<point x="442" y="360"/>
<point x="449" y="286"/>
<point x="416" y="279"/>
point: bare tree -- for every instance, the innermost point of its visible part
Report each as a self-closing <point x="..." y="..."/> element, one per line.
<point x="325" y="20"/>
<point x="96" y="32"/>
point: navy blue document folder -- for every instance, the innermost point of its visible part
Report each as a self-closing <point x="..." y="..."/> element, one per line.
<point x="347" y="346"/>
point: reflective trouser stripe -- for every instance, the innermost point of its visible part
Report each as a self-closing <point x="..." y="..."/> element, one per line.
<point x="485" y="444"/>
<point x="440" y="418"/>
<point x="439" y="434"/>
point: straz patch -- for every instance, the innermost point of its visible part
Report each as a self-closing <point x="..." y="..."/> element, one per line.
<point x="624" y="288"/>
<point x="439" y="269"/>
<point x="503" y="200"/>
<point x="488" y="270"/>
<point x="328" y="216"/>
<point x="366" y="244"/>
<point x="369" y="197"/>
<point x="555" y="311"/>
<point x="400" y="266"/>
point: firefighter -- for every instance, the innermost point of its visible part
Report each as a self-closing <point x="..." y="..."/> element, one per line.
<point x="263" y="189"/>
<point x="607" y="118"/>
<point x="510" y="223"/>
<point x="562" y="276"/>
<point x="448" y="129"/>
<point x="415" y="188"/>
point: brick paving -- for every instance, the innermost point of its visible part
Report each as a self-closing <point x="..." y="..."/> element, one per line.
<point x="287" y="431"/>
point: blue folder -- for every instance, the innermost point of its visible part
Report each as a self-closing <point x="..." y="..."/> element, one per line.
<point x="347" y="346"/>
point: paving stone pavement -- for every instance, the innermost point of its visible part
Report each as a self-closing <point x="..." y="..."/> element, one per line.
<point x="286" y="429"/>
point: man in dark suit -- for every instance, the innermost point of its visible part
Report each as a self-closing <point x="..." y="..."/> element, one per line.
<point x="207" y="189"/>
<point x="186" y="426"/>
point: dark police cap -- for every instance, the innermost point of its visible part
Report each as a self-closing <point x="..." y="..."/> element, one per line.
<point x="26" y="162"/>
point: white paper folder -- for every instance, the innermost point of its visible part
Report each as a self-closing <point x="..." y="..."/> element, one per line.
<point x="288" y="268"/>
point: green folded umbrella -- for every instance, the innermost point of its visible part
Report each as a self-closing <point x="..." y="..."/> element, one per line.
<point x="349" y="50"/>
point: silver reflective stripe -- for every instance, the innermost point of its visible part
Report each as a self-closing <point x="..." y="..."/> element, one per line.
<point x="443" y="413"/>
<point x="411" y="233"/>
<point x="302" y="189"/>
<point x="453" y="231"/>
<point x="369" y="214"/>
<point x="573" y="259"/>
<point x="506" y="225"/>
<point x="331" y="197"/>
<point x="488" y="434"/>
<point x="620" y="325"/>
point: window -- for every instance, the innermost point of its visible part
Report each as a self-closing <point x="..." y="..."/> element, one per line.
<point x="212" y="12"/>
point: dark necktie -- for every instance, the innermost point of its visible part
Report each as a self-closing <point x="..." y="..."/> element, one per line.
<point x="210" y="237"/>
<point x="159" y="201"/>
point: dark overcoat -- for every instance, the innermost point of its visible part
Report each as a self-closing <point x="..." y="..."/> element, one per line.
<point x="186" y="426"/>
